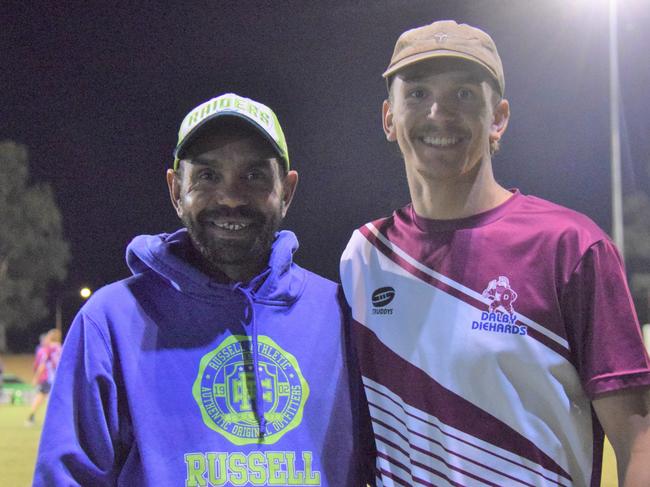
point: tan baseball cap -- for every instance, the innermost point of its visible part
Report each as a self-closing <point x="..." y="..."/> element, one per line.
<point x="446" y="38"/>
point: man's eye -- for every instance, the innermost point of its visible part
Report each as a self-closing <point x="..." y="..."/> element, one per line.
<point x="207" y="175"/>
<point x="465" y="94"/>
<point x="254" y="175"/>
<point x="417" y="93"/>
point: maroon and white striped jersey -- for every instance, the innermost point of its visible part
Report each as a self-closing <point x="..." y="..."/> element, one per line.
<point x="483" y="340"/>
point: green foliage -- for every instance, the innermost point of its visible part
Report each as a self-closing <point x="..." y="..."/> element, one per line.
<point x="33" y="252"/>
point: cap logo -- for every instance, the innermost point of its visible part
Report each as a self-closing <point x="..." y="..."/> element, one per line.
<point x="440" y="37"/>
<point x="230" y="103"/>
<point x="259" y="115"/>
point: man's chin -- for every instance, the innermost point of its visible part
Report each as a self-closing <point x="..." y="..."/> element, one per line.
<point x="220" y="259"/>
<point x="230" y="252"/>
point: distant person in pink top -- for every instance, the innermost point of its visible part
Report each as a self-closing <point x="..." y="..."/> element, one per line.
<point x="46" y="362"/>
<point x="495" y="331"/>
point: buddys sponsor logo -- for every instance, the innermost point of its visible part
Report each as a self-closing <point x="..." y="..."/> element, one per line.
<point x="501" y="316"/>
<point x="225" y="390"/>
<point x="381" y="298"/>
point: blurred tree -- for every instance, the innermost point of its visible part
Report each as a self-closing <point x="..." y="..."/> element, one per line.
<point x="33" y="252"/>
<point x="637" y="250"/>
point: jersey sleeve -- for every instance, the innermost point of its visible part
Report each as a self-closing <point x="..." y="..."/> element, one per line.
<point x="602" y="325"/>
<point x="85" y="435"/>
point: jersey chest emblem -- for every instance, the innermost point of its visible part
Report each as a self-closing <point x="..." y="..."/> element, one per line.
<point x="500" y="316"/>
<point x="225" y="390"/>
<point x="500" y="295"/>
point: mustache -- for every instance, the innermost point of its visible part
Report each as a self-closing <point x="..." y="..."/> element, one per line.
<point x="441" y="129"/>
<point x="227" y="211"/>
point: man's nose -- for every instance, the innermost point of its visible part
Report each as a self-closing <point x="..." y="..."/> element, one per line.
<point x="232" y="194"/>
<point x="439" y="111"/>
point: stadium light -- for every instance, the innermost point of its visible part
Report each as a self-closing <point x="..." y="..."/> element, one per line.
<point x="615" y="134"/>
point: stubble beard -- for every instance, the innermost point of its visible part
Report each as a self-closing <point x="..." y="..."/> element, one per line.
<point x="218" y="253"/>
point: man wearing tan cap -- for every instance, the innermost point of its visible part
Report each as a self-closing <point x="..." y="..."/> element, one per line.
<point x="495" y="330"/>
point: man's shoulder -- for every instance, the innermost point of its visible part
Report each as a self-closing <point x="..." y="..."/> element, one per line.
<point x="385" y="221"/>
<point x="115" y="294"/>
<point x="316" y="282"/>
<point x="552" y="219"/>
<point x="117" y="309"/>
<point x="379" y="225"/>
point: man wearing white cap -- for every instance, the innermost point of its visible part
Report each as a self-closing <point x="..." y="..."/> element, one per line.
<point x="495" y="331"/>
<point x="219" y="361"/>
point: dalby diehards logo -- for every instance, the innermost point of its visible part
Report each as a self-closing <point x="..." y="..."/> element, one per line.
<point x="381" y="298"/>
<point x="501" y="316"/>
<point x="225" y="390"/>
<point x="500" y="295"/>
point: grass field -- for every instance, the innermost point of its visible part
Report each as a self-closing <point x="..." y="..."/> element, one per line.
<point x="18" y="443"/>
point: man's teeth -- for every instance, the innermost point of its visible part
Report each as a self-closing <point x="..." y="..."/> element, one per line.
<point x="440" y="141"/>
<point x="232" y="226"/>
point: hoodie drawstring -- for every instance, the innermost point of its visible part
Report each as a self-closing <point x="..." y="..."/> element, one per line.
<point x="259" y="393"/>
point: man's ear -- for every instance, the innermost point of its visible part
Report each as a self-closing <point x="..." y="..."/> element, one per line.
<point x="500" y="119"/>
<point x="174" y="186"/>
<point x="289" y="185"/>
<point x="387" y="121"/>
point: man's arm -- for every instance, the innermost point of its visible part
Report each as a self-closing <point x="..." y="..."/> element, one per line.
<point x="625" y="417"/>
<point x="83" y="440"/>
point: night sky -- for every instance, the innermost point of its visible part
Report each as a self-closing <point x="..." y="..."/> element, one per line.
<point x="97" y="90"/>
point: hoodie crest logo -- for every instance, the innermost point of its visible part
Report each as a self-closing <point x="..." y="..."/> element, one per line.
<point x="225" y="390"/>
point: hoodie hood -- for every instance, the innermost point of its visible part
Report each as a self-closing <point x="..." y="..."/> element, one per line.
<point x="281" y="282"/>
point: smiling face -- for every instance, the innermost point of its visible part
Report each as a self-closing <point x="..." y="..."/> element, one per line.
<point x="444" y="114"/>
<point x="231" y="194"/>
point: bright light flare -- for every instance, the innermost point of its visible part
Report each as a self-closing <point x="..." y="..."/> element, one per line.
<point x="85" y="292"/>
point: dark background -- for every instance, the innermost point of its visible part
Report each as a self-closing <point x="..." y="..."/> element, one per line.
<point x="97" y="90"/>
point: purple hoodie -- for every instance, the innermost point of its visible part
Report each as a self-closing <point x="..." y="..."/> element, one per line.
<point x="169" y="378"/>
